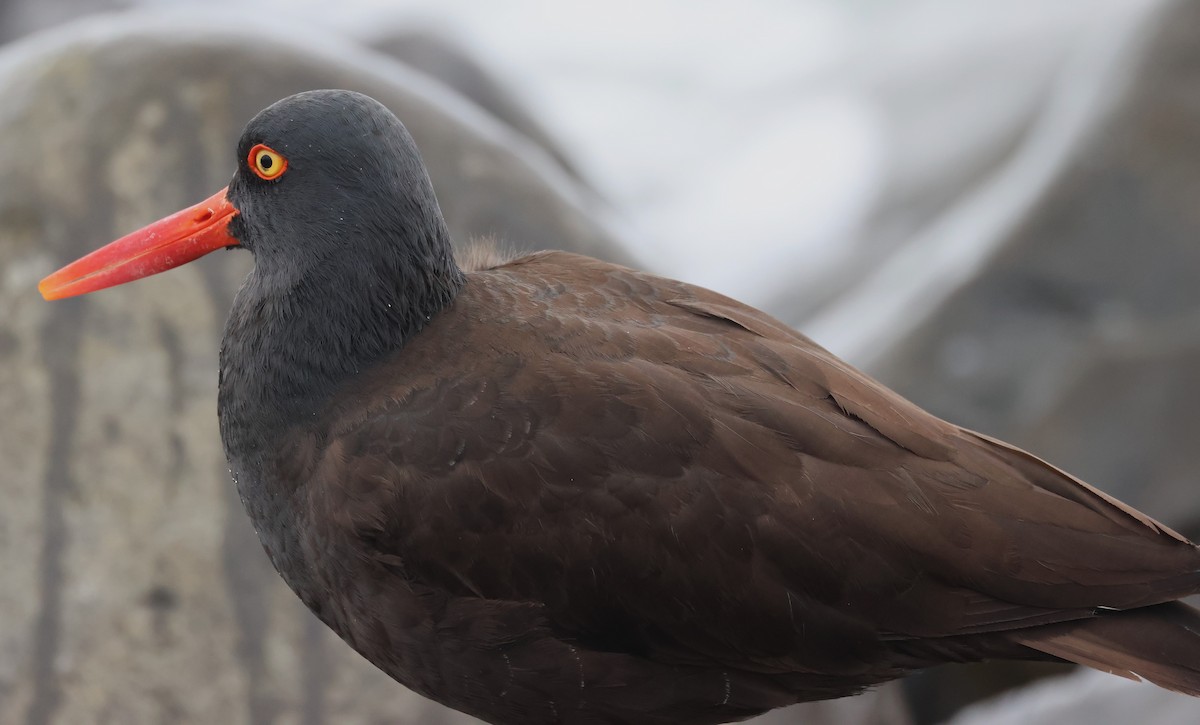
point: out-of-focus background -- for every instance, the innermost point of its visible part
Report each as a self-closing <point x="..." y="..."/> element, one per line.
<point x="993" y="207"/>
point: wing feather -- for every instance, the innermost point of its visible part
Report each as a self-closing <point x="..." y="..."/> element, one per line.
<point x="666" y="472"/>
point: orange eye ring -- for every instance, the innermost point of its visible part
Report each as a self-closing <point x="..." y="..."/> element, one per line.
<point x="266" y="163"/>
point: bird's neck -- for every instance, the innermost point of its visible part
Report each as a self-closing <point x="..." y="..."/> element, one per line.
<point x="292" y="341"/>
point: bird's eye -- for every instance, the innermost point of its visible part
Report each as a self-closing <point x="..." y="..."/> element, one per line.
<point x="266" y="162"/>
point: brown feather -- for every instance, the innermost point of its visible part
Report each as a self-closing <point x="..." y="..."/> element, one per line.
<point x="605" y="483"/>
<point x="1159" y="643"/>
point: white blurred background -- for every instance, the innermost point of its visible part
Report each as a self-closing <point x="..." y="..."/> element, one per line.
<point x="801" y="134"/>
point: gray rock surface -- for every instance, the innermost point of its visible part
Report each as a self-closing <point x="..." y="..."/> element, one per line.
<point x="134" y="589"/>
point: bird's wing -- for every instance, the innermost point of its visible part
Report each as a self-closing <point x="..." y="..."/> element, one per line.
<point x="666" y="471"/>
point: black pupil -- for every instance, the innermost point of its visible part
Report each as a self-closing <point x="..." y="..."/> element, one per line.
<point x="264" y="160"/>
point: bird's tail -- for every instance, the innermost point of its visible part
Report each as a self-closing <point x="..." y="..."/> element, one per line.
<point x="1159" y="643"/>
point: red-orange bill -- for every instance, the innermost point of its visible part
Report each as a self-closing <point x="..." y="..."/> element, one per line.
<point x="178" y="239"/>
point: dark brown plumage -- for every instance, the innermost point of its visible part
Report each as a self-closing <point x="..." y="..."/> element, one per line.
<point x="556" y="490"/>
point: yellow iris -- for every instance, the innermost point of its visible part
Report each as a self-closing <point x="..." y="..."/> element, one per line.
<point x="267" y="162"/>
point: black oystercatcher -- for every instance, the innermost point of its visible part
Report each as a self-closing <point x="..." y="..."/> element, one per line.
<point x="554" y="490"/>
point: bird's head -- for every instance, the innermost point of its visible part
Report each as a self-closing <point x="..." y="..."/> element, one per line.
<point x="319" y="174"/>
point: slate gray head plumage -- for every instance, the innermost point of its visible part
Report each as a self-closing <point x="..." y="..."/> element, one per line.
<point x="354" y="210"/>
<point x="556" y="490"/>
<point x="352" y="255"/>
<point x="337" y="145"/>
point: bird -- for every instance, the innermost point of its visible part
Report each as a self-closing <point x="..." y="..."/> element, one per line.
<point x="550" y="489"/>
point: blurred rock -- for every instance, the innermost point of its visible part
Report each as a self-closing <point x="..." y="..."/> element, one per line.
<point x="20" y="17"/>
<point x="945" y="128"/>
<point x="1058" y="308"/>
<point x="934" y="695"/>
<point x="1079" y="337"/>
<point x="134" y="589"/>
<point x="437" y="56"/>
<point x="1086" y="697"/>
<point x="884" y="705"/>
